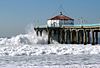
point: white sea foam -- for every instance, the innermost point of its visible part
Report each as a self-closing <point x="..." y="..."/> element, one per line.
<point x="22" y="39"/>
<point x="54" y="66"/>
<point x="29" y="50"/>
<point x="57" y="49"/>
<point x="31" y="44"/>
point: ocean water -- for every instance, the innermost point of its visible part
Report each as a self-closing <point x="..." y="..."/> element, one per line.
<point x="51" y="61"/>
<point x="31" y="51"/>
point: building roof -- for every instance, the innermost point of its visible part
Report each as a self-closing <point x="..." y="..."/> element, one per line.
<point x="61" y="17"/>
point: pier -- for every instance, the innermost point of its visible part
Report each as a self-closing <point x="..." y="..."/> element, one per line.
<point x="71" y="34"/>
<point x="62" y="29"/>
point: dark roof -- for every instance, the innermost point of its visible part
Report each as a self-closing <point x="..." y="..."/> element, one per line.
<point x="61" y="17"/>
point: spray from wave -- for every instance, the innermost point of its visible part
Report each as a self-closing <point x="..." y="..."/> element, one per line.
<point x="29" y="38"/>
<point x="31" y="44"/>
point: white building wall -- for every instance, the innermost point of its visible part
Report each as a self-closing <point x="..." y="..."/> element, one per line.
<point x="53" y="23"/>
<point x="59" y="23"/>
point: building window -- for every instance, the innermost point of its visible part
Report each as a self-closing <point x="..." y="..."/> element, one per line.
<point x="54" y="24"/>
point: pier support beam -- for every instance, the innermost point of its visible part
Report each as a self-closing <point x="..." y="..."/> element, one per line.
<point x="58" y="35"/>
<point x="96" y="34"/>
<point x="77" y="37"/>
<point x="66" y="37"/>
<point x="88" y="37"/>
<point x="49" y="36"/>
<point x="37" y="33"/>
<point x="93" y="43"/>
<point x="85" y="38"/>
<point x="62" y="36"/>
<point x="81" y="37"/>
<point x="41" y="33"/>
<point x="71" y="36"/>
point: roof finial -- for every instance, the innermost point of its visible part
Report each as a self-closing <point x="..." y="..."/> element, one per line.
<point x="61" y="13"/>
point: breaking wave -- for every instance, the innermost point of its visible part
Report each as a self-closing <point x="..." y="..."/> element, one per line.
<point x="54" y="49"/>
<point x="31" y="44"/>
<point x="22" y="39"/>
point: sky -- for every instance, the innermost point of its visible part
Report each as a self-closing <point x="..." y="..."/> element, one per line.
<point x="16" y="15"/>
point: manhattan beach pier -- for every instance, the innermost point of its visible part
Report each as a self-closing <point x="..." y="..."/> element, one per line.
<point x="62" y="29"/>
